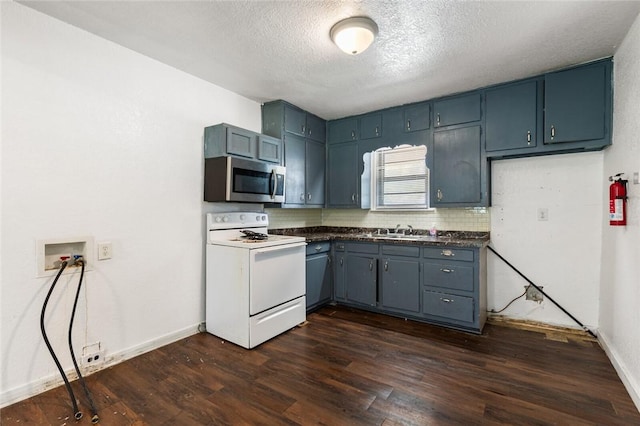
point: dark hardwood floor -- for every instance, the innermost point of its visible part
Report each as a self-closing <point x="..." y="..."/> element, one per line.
<point x="349" y="367"/>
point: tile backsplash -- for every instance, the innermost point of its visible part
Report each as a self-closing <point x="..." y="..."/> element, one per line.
<point x="464" y="219"/>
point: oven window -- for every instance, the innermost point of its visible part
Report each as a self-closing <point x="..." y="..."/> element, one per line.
<point x="255" y="182"/>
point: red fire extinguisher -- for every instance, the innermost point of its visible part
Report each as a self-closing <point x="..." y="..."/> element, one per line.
<point x="617" y="200"/>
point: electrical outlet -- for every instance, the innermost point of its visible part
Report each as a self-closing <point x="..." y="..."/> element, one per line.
<point x="93" y="355"/>
<point x="533" y="294"/>
<point x="105" y="251"/>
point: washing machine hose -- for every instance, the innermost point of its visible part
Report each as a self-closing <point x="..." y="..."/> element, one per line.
<point x="94" y="412"/>
<point x="76" y="411"/>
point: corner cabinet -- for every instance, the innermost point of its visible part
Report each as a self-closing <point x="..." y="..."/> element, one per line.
<point x="303" y="136"/>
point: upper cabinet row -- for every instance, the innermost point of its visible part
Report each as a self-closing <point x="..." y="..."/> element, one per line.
<point x="564" y="111"/>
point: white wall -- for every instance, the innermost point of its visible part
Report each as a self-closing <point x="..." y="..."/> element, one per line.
<point x="620" y="279"/>
<point x="561" y="254"/>
<point x="98" y="140"/>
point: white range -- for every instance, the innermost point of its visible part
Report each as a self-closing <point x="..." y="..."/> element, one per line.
<point x="255" y="282"/>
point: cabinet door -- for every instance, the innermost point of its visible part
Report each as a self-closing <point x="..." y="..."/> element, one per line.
<point x="343" y="130"/>
<point x="269" y="149"/>
<point x="294" y="157"/>
<point x="340" y="289"/>
<point x="360" y="277"/>
<point x="318" y="279"/>
<point x="343" y="175"/>
<point x="316" y="128"/>
<point x="295" y="121"/>
<point x="241" y="142"/>
<point x="457" y="110"/>
<point x="456" y="166"/>
<point x="511" y="116"/>
<point x="401" y="284"/>
<point x="417" y="117"/>
<point x="371" y="126"/>
<point x="575" y="105"/>
<point x="314" y="174"/>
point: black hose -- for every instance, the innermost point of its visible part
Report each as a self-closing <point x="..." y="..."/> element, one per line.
<point x="94" y="412"/>
<point x="545" y="294"/>
<point x="76" y="411"/>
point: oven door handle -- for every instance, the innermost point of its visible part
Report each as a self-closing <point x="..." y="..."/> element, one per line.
<point x="287" y="246"/>
<point x="274" y="180"/>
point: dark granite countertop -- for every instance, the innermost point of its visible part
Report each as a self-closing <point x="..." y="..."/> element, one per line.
<point x="419" y="236"/>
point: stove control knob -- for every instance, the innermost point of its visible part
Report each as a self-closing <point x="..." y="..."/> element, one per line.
<point x="225" y="219"/>
<point x="242" y="217"/>
<point x="257" y="218"/>
<point x="218" y="219"/>
<point x="264" y="218"/>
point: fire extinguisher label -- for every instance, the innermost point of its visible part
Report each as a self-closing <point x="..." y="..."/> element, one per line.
<point x="615" y="209"/>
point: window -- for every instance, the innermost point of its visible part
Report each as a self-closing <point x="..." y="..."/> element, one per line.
<point x="399" y="178"/>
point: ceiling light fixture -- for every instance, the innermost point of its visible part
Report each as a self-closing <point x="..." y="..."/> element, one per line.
<point x="354" y="35"/>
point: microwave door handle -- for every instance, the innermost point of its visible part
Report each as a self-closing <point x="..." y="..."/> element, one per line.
<point x="274" y="178"/>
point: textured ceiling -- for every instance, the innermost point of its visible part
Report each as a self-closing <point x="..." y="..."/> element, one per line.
<point x="268" y="50"/>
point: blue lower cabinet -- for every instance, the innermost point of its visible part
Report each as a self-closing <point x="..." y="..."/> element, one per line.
<point x="400" y="284"/>
<point x="319" y="280"/>
<point x="436" y="284"/>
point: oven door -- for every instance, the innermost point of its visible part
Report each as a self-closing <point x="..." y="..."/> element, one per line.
<point x="277" y="276"/>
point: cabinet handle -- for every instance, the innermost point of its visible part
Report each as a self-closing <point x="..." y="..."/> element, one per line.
<point x="353" y="198"/>
<point x="318" y="248"/>
<point x="445" y="300"/>
<point x="303" y="129"/>
<point x="447" y="270"/>
<point x="553" y="132"/>
<point x="438" y="119"/>
<point x="528" y="137"/>
<point x="341" y="261"/>
<point x="353" y="134"/>
<point x="302" y="196"/>
<point x="447" y="253"/>
<point x="309" y="132"/>
<point x="377" y="131"/>
<point x="439" y="195"/>
<point x="371" y="265"/>
<point x="309" y="196"/>
<point x="386" y="266"/>
<point x="408" y="124"/>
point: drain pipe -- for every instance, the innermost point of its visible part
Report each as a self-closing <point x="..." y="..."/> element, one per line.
<point x="585" y="328"/>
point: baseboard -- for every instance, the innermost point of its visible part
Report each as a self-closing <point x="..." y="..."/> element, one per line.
<point x="17" y="394"/>
<point x="627" y="380"/>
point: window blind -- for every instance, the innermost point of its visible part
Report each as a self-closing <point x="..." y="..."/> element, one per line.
<point x="400" y="178"/>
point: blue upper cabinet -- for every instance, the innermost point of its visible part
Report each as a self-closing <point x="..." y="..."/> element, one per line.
<point x="224" y="139"/>
<point x="371" y="126"/>
<point x="457" y="110"/>
<point x="417" y="117"/>
<point x="575" y="104"/>
<point x="571" y="110"/>
<point x="343" y="130"/>
<point x="511" y="116"/>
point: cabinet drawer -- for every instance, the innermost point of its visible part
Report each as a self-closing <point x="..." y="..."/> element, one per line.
<point x="401" y="250"/>
<point x="362" y="248"/>
<point x="449" y="306"/>
<point x="449" y="253"/>
<point x="319" y="247"/>
<point x="454" y="275"/>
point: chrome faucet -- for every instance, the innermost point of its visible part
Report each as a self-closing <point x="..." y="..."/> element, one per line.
<point x="397" y="231"/>
<point x="410" y="229"/>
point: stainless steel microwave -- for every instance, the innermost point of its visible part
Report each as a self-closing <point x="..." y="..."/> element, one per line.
<point x="237" y="179"/>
